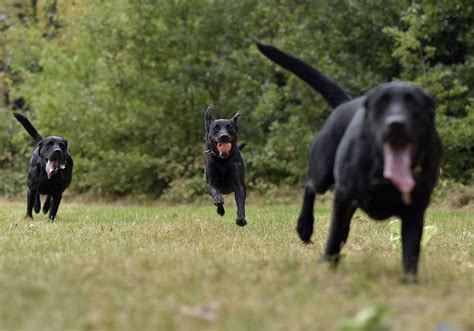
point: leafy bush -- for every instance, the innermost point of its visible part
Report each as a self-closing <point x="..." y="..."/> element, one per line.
<point x="127" y="82"/>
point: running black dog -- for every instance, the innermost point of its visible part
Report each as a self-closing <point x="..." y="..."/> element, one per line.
<point x="49" y="172"/>
<point x="381" y="152"/>
<point x="224" y="166"/>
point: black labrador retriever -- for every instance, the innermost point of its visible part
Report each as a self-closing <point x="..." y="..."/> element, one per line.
<point x="49" y="171"/>
<point x="381" y="152"/>
<point x="224" y="164"/>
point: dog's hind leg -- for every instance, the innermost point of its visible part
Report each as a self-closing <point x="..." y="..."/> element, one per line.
<point x="305" y="222"/>
<point x="343" y="210"/>
<point x="30" y="201"/>
<point x="47" y="204"/>
<point x="37" y="205"/>
<point x="412" y="231"/>
<point x="56" y="200"/>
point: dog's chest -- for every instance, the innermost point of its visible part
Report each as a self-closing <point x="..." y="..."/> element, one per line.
<point x="223" y="180"/>
<point x="381" y="202"/>
<point x="56" y="183"/>
<point x="221" y="176"/>
<point x="46" y="187"/>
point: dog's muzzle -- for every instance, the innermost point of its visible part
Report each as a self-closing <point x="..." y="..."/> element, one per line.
<point x="55" y="163"/>
<point x="224" y="149"/>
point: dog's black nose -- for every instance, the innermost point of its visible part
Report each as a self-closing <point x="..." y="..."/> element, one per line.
<point x="224" y="137"/>
<point x="396" y="123"/>
<point x="57" y="152"/>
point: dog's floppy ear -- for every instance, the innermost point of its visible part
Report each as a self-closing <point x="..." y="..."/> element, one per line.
<point x="68" y="152"/>
<point x="370" y="96"/>
<point x="236" y="116"/>
<point x="370" y="99"/>
<point x="208" y="117"/>
<point x="40" y="147"/>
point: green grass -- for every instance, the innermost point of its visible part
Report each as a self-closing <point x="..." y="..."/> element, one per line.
<point x="110" y="267"/>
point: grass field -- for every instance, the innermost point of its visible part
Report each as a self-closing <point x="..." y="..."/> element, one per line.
<point x="110" y="267"/>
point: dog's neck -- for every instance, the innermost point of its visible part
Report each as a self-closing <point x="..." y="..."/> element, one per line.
<point x="210" y="153"/>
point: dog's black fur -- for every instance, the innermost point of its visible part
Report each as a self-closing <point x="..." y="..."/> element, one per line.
<point x="361" y="150"/>
<point x="49" y="171"/>
<point x="225" y="172"/>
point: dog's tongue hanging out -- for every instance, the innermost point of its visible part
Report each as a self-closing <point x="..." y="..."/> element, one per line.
<point x="50" y="167"/>
<point x="397" y="167"/>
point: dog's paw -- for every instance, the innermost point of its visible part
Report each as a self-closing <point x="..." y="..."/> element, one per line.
<point x="410" y="279"/>
<point x="241" y="222"/>
<point x="220" y="209"/>
<point x="305" y="230"/>
<point x="332" y="260"/>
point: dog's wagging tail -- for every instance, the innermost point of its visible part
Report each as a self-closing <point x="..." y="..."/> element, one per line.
<point x="28" y="127"/>
<point x="331" y="91"/>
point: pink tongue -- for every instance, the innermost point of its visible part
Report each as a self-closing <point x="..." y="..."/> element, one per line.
<point x="50" y="166"/>
<point x="397" y="167"/>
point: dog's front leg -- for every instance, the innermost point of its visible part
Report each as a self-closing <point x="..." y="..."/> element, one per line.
<point x="56" y="200"/>
<point x="218" y="198"/>
<point x="305" y="222"/>
<point x="412" y="231"/>
<point x="47" y="204"/>
<point x="30" y="202"/>
<point x="240" y="196"/>
<point x="343" y="209"/>
<point x="37" y="204"/>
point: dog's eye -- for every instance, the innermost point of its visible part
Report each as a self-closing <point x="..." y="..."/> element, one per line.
<point x="228" y="127"/>
<point x="384" y="100"/>
<point x="216" y="129"/>
<point x="408" y="98"/>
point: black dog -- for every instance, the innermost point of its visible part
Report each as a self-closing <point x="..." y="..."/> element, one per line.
<point x="49" y="172"/>
<point x="381" y="152"/>
<point x="225" y="167"/>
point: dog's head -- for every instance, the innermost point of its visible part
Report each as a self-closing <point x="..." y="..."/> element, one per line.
<point x="221" y="134"/>
<point x="401" y="119"/>
<point x="55" y="152"/>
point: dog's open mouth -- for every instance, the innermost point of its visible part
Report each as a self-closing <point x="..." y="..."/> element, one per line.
<point x="397" y="167"/>
<point x="51" y="167"/>
<point x="224" y="149"/>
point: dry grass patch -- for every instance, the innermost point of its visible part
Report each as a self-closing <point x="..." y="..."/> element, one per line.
<point x="103" y="267"/>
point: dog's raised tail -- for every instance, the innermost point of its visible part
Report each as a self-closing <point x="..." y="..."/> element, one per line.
<point x="331" y="91"/>
<point x="28" y="127"/>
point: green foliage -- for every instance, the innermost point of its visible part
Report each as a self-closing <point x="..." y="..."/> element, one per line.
<point x="127" y="82"/>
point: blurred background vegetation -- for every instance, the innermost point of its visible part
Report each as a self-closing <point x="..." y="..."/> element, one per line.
<point x="127" y="83"/>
